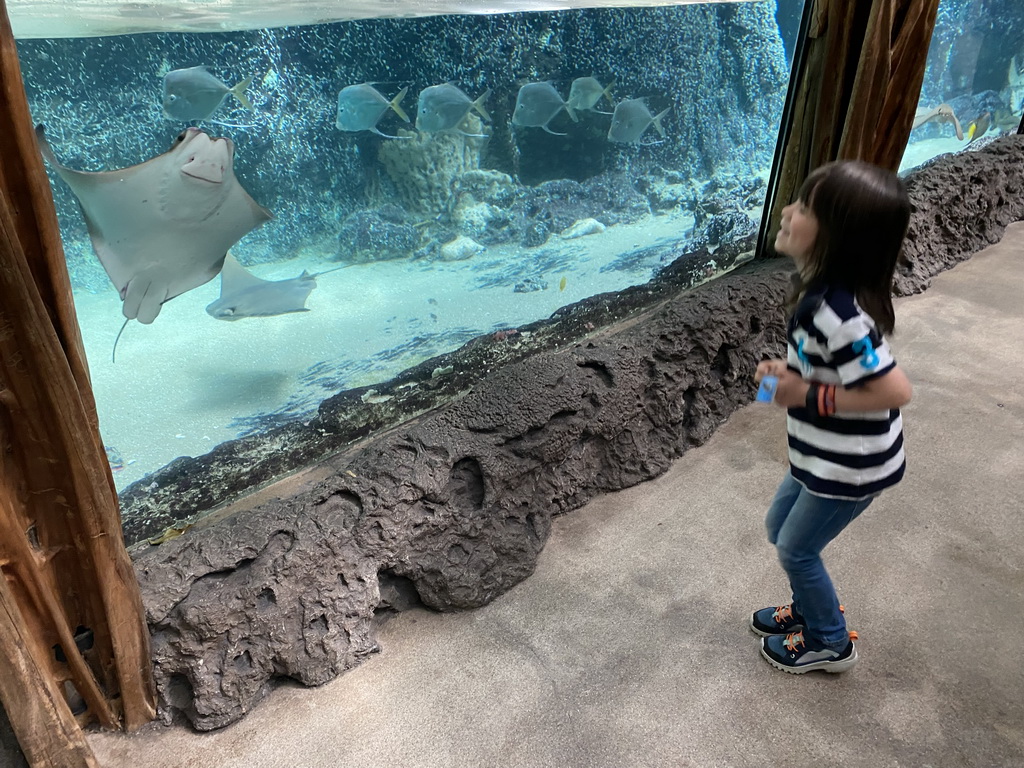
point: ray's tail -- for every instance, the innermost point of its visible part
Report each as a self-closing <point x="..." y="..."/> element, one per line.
<point x="113" y="352"/>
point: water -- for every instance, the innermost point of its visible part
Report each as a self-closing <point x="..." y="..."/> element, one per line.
<point x="976" y="68"/>
<point x="388" y="207"/>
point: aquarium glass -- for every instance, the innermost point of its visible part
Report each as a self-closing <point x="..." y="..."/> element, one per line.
<point x="405" y="222"/>
<point x="973" y="89"/>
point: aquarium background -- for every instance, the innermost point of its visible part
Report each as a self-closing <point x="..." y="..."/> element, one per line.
<point x="386" y="208"/>
<point x="976" y="66"/>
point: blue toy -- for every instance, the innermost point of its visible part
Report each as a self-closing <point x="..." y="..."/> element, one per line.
<point x="766" y="392"/>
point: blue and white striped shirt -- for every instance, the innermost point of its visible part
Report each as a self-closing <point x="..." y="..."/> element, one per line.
<point x="847" y="455"/>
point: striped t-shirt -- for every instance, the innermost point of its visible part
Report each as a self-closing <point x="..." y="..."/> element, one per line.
<point x="847" y="455"/>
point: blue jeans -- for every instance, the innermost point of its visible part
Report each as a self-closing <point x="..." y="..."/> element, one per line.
<point x="800" y="525"/>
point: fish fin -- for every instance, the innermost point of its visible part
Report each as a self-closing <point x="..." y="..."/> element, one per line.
<point x="924" y="116"/>
<point x="478" y="105"/>
<point x="44" y="146"/>
<point x="386" y="135"/>
<point x="602" y="113"/>
<point x="572" y="113"/>
<point x="970" y="131"/>
<point x="553" y="133"/>
<point x="957" y="128"/>
<point x="607" y="93"/>
<point x="395" y="102"/>
<point x="657" y="122"/>
<point x="239" y="92"/>
<point x="234" y="277"/>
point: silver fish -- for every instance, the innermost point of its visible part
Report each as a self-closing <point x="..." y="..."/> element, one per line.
<point x="585" y="92"/>
<point x="631" y="119"/>
<point x="444" y="107"/>
<point x="360" y="108"/>
<point x="195" y="94"/>
<point x="536" y="106"/>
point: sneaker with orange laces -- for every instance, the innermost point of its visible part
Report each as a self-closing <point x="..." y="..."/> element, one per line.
<point x="797" y="655"/>
<point x="780" y="620"/>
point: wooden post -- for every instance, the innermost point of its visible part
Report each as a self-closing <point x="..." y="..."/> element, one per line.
<point x="858" y="90"/>
<point x="74" y="645"/>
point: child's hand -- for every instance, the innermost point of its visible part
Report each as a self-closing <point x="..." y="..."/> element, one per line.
<point x="770" y="368"/>
<point x="791" y="390"/>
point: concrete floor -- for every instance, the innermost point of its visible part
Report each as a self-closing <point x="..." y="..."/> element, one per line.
<point x="629" y="645"/>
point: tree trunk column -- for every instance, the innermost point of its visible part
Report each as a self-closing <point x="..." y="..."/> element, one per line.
<point x="74" y="645"/>
<point x="858" y="89"/>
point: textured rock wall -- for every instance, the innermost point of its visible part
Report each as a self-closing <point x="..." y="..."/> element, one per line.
<point x="962" y="204"/>
<point x="452" y="508"/>
<point x="457" y="504"/>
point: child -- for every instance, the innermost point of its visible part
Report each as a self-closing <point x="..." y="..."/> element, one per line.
<point x="843" y="391"/>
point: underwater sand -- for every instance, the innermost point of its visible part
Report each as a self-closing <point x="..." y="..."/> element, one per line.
<point x="921" y="151"/>
<point x="189" y="382"/>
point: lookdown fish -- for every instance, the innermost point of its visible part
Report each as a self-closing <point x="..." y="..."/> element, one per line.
<point x="585" y="92"/>
<point x="360" y="108"/>
<point x="195" y="94"/>
<point x="631" y="119"/>
<point x="444" y="107"/>
<point x="536" y="106"/>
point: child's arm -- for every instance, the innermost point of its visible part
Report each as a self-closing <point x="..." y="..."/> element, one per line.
<point x="890" y="390"/>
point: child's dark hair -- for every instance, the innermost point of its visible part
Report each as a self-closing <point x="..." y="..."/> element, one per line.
<point x="862" y="212"/>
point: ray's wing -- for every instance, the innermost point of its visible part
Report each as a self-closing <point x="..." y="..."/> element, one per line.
<point x="234" y="278"/>
<point x="157" y="234"/>
<point x="251" y="296"/>
<point x="117" y="206"/>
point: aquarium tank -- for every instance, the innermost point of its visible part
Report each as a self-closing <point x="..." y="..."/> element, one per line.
<point x="973" y="89"/>
<point x="389" y="188"/>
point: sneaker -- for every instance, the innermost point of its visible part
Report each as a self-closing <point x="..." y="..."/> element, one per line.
<point x="795" y="655"/>
<point x="782" y="620"/>
<point x="776" y="621"/>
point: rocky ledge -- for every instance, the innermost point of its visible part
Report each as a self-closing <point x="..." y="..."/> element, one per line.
<point x="452" y="507"/>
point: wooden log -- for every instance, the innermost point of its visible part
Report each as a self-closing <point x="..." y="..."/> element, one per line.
<point x="890" y="72"/>
<point x="47" y="732"/>
<point x="69" y="592"/>
<point x="858" y="89"/>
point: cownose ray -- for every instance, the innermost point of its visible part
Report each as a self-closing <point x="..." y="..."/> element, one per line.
<point x="242" y="294"/>
<point x="163" y="227"/>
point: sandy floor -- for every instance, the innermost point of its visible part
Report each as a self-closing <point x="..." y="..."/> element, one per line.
<point x="922" y="151"/>
<point x="189" y="382"/>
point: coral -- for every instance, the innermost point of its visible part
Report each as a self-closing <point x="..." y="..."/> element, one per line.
<point x="482" y="221"/>
<point x="481" y="211"/>
<point x="664" y="195"/>
<point x="376" y="235"/>
<point x="425" y="167"/>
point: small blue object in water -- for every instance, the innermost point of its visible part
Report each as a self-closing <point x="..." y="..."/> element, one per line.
<point x="766" y="392"/>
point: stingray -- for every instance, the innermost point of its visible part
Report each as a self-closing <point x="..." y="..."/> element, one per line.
<point x="242" y="294"/>
<point x="163" y="227"/>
